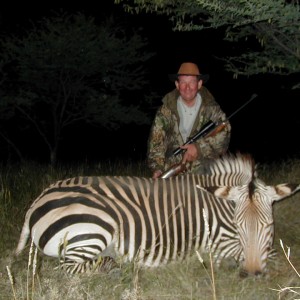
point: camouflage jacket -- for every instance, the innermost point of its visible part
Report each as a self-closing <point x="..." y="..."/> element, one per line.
<point x="165" y="136"/>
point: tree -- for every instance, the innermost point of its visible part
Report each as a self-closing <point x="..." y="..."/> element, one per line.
<point x="67" y="69"/>
<point x="268" y="30"/>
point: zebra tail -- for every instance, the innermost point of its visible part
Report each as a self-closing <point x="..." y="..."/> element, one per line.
<point x="23" y="238"/>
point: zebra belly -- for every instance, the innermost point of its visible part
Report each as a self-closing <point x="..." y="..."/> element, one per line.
<point x="77" y="241"/>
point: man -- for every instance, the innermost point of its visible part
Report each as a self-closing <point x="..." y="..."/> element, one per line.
<point x="184" y="112"/>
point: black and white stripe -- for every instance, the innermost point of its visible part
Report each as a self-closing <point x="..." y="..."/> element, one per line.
<point x="156" y="221"/>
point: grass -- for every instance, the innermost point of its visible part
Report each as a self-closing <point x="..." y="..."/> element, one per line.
<point x="294" y="290"/>
<point x="32" y="276"/>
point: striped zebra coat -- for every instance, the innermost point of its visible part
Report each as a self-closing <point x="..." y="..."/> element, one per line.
<point x="153" y="222"/>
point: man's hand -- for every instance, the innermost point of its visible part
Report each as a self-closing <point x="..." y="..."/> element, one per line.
<point x="191" y="153"/>
<point x="156" y="174"/>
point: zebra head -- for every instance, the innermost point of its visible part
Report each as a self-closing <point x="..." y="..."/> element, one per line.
<point x="253" y="212"/>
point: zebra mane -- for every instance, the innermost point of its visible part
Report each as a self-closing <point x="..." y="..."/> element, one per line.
<point x="238" y="169"/>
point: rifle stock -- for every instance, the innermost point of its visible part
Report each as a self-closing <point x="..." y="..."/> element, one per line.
<point x="174" y="170"/>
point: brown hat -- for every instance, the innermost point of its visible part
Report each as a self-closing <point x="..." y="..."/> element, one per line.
<point x="189" y="69"/>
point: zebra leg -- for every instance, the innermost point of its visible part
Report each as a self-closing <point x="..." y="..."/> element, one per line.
<point x="99" y="265"/>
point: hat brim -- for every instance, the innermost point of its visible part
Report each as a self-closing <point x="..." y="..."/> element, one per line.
<point x="174" y="77"/>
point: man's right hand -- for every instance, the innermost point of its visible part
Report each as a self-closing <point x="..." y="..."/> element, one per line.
<point x="156" y="174"/>
<point x="191" y="153"/>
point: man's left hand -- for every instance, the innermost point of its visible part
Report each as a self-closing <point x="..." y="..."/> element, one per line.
<point x="191" y="153"/>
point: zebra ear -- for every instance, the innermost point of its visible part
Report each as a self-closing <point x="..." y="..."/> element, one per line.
<point x="224" y="192"/>
<point x="284" y="190"/>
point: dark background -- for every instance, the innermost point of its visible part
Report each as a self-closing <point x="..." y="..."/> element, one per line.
<point x="267" y="127"/>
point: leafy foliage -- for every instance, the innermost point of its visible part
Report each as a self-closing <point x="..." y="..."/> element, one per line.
<point x="67" y="70"/>
<point x="268" y="29"/>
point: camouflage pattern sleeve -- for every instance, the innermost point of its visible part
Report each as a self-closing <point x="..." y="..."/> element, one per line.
<point x="157" y="139"/>
<point x="216" y="145"/>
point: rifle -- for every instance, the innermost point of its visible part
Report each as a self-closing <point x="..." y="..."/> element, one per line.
<point x="209" y="129"/>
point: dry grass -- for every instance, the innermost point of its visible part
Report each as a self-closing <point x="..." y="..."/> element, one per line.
<point x="187" y="280"/>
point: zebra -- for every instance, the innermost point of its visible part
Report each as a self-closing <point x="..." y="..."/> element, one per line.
<point x="118" y="219"/>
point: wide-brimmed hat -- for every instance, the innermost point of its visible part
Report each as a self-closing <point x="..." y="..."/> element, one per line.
<point x="189" y="69"/>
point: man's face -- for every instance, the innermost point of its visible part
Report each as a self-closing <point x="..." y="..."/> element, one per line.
<point x="188" y="87"/>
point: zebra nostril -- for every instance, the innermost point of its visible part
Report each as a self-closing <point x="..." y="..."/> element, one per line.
<point x="257" y="273"/>
<point x="243" y="274"/>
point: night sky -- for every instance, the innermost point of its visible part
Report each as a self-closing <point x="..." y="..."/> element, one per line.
<point x="267" y="128"/>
